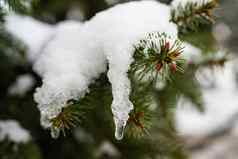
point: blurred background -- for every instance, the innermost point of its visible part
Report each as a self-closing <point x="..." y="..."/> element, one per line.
<point x="192" y="128"/>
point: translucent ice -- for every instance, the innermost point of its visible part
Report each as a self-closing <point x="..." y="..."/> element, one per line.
<point x="119" y="128"/>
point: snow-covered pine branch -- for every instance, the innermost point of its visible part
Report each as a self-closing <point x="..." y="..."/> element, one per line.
<point x="71" y="55"/>
<point x="190" y="15"/>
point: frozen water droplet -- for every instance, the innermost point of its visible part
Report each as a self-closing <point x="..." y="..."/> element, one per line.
<point x="120" y="126"/>
<point x="55" y="132"/>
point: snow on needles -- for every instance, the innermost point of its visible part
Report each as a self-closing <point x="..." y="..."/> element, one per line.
<point x="68" y="64"/>
<point x="176" y="3"/>
<point x="180" y="5"/>
<point x="77" y="54"/>
<point x="11" y="129"/>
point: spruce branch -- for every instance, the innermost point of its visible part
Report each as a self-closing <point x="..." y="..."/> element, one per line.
<point x="16" y="5"/>
<point x="193" y="15"/>
<point x="69" y="117"/>
<point x="141" y="117"/>
<point x="156" y="56"/>
<point x="20" y="6"/>
<point x="74" y="114"/>
<point x="190" y="89"/>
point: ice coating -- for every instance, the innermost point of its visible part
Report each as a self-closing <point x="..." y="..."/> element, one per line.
<point x="119" y="128"/>
<point x="78" y="53"/>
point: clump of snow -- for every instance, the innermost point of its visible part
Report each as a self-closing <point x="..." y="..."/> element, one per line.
<point x="76" y="54"/>
<point x="68" y="64"/>
<point x="22" y="85"/>
<point x="32" y="32"/>
<point x="13" y="131"/>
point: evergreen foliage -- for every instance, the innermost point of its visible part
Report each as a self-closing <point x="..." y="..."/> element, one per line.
<point x="193" y="15"/>
<point x="150" y="132"/>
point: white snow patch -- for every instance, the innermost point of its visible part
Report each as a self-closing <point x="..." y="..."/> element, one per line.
<point x="12" y="130"/>
<point x="32" y="32"/>
<point x="22" y="85"/>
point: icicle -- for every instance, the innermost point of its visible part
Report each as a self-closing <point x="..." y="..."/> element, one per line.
<point x="119" y="130"/>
